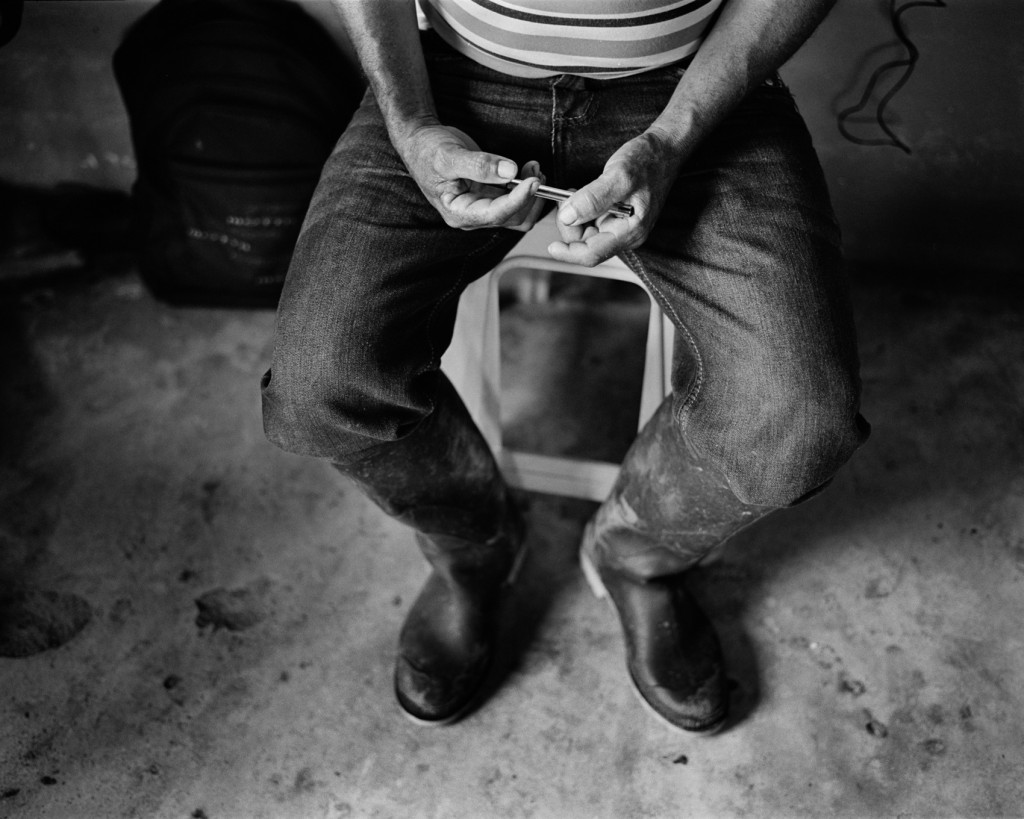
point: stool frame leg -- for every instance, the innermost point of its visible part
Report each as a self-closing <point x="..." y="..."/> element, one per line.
<point x="473" y="364"/>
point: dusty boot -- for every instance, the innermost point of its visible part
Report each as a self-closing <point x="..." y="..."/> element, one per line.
<point x="447" y="641"/>
<point x="665" y="513"/>
<point x="442" y="481"/>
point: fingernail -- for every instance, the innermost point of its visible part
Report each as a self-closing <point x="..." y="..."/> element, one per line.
<point x="506" y="169"/>
<point x="567" y="215"/>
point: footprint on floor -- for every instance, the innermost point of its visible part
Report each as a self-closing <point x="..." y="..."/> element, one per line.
<point x="32" y="621"/>
<point x="233" y="609"/>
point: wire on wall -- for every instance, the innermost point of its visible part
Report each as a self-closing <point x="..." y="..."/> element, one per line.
<point x="896" y="13"/>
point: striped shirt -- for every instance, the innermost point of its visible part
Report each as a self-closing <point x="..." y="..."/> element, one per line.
<point x="592" y="38"/>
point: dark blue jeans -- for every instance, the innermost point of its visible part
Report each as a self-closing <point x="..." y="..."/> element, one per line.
<point x="745" y="259"/>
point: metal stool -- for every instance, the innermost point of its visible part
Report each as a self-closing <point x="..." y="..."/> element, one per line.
<point x="473" y="364"/>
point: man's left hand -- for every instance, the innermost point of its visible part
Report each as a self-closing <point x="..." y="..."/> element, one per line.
<point x="641" y="173"/>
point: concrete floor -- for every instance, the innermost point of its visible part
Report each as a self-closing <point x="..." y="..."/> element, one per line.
<point x="228" y="612"/>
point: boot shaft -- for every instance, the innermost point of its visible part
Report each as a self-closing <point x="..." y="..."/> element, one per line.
<point x="668" y="509"/>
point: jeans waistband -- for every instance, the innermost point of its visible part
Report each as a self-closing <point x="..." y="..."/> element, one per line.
<point x="437" y="51"/>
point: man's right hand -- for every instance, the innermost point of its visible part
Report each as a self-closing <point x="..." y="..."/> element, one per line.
<point x="467" y="185"/>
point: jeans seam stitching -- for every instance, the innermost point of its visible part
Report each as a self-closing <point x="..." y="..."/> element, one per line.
<point x="557" y="119"/>
<point x="554" y="119"/>
<point x="585" y="114"/>
<point x="637" y="264"/>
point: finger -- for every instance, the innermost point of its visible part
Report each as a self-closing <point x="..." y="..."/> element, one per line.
<point x="521" y="208"/>
<point x="525" y="204"/>
<point x="534" y="209"/>
<point x="592" y="249"/>
<point x="529" y="218"/>
<point x="473" y="208"/>
<point x="532" y="168"/>
<point x="534" y="214"/>
<point x="594" y="199"/>
<point x="477" y="166"/>
<point x="569" y="233"/>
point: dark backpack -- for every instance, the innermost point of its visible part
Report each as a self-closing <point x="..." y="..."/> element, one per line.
<point x="234" y="106"/>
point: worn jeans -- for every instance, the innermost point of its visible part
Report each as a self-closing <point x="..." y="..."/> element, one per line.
<point x="745" y="260"/>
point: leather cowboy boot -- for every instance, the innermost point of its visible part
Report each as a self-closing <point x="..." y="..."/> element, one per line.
<point x="442" y="481"/>
<point x="666" y="511"/>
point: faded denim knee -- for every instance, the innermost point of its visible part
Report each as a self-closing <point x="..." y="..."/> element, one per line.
<point x="311" y="408"/>
<point x="778" y="434"/>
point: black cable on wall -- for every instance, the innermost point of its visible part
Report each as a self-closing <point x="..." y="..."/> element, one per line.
<point x="907" y="63"/>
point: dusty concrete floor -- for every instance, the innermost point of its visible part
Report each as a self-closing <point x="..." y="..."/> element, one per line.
<point x="238" y="606"/>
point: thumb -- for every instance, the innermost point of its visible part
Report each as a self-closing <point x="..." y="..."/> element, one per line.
<point x="478" y="166"/>
<point x="591" y="201"/>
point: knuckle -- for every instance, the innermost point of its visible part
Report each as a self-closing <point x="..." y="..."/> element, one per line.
<point x="590" y="200"/>
<point x="479" y="165"/>
<point x="617" y="177"/>
<point x="444" y="162"/>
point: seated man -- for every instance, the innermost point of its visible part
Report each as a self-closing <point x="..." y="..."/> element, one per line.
<point x="670" y="106"/>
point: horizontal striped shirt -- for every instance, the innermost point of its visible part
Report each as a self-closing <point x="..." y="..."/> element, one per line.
<point x="591" y="38"/>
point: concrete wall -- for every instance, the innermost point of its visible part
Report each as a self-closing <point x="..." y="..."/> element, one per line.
<point x="61" y="114"/>
<point x="957" y="202"/>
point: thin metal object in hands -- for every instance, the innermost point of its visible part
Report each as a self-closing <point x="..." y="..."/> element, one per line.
<point x="560" y="195"/>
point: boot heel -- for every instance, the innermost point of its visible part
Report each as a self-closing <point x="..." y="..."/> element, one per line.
<point x="593" y="577"/>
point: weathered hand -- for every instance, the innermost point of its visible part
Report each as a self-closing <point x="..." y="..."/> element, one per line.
<point x="467" y="185"/>
<point x="641" y="173"/>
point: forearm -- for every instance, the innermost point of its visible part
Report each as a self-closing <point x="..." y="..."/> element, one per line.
<point x="750" y="40"/>
<point x="464" y="184"/>
<point x="386" y="38"/>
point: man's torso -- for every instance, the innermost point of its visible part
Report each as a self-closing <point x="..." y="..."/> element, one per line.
<point x="591" y="38"/>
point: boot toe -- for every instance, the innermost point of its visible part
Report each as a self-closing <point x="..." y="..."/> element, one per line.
<point x="433" y="697"/>
<point x="701" y="708"/>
